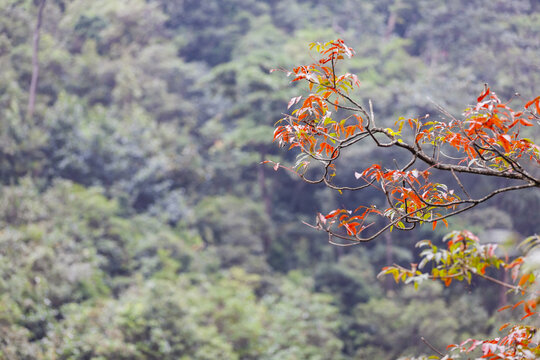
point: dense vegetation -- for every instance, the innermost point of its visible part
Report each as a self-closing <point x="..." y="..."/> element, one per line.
<point x="136" y="221"/>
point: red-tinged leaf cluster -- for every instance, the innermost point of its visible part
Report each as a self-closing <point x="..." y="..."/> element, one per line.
<point x="353" y="222"/>
<point x="322" y="73"/>
<point x="488" y="135"/>
<point x="411" y="197"/>
<point x="529" y="306"/>
<point x="519" y="343"/>
<point x="486" y="141"/>
<point x="311" y="127"/>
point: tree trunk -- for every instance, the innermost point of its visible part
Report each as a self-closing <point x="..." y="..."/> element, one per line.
<point x="35" y="63"/>
<point x="390" y="26"/>
<point x="388" y="281"/>
<point x="266" y="199"/>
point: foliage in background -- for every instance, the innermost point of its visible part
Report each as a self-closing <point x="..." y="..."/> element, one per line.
<point x="136" y="221"/>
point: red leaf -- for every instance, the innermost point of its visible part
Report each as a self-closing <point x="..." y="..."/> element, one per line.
<point x="333" y="213"/>
<point x="525" y="122"/>
<point x="536" y="100"/>
<point x="483" y="269"/>
<point x="517" y="304"/>
<point x="505" y="140"/>
<point x="484" y="94"/>
<point x="526" y="316"/>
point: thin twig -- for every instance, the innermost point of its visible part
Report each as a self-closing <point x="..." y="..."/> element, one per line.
<point x="460" y="184"/>
<point x="430" y="346"/>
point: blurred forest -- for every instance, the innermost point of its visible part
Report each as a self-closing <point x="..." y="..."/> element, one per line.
<point x="136" y="221"/>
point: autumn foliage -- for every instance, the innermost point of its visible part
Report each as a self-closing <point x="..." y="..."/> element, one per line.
<point x="487" y="140"/>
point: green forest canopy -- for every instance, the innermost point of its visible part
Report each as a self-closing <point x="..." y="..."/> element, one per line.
<point x="137" y="221"/>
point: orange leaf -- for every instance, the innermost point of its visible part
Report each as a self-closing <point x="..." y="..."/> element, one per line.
<point x="505" y="140"/>
<point x="536" y="100"/>
<point x="333" y="213"/>
<point x="351" y="228"/>
<point x="483" y="269"/>
<point x="447" y="281"/>
<point x="523" y="279"/>
<point x="517" y="304"/>
<point x="526" y="316"/>
<point x="525" y="122"/>
<point x="484" y="94"/>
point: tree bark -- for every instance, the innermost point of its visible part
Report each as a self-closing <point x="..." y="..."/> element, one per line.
<point x="35" y="62"/>
<point x="388" y="281"/>
<point x="390" y="26"/>
<point x="266" y="199"/>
